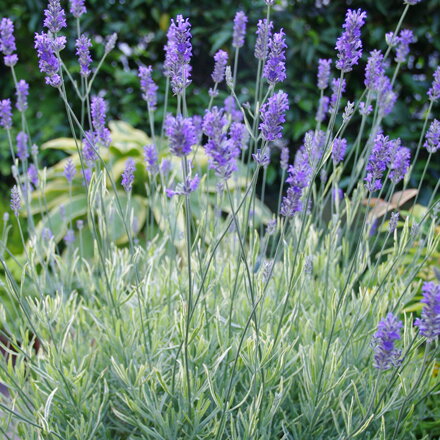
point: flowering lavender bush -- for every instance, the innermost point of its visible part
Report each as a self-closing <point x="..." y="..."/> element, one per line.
<point x="202" y="323"/>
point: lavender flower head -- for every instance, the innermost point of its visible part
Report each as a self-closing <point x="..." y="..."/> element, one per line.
<point x="111" y="42"/>
<point x="165" y="167"/>
<point x="412" y="2"/>
<point x="275" y="68"/>
<point x="55" y="17"/>
<point x="22" y="145"/>
<point x="399" y="163"/>
<point x="33" y="175"/>
<point x="432" y="142"/>
<point x="434" y="91"/>
<point x="69" y="170"/>
<point x="262" y="157"/>
<point x="238" y="135"/>
<point x="240" y="21"/>
<point x="69" y="238"/>
<point x="386" y="96"/>
<point x="323" y="73"/>
<point x="393" y="222"/>
<point x="99" y="114"/>
<point x="83" y="45"/>
<point x="77" y="8"/>
<point x="385" y="353"/>
<point x="185" y="188"/>
<point x="151" y="159"/>
<point x="338" y="88"/>
<point x="374" y="70"/>
<point x="47" y="60"/>
<point x="15" y="200"/>
<point x="181" y="134"/>
<point x="128" y="175"/>
<point x="22" y="92"/>
<point x="6" y="113"/>
<point x="148" y="86"/>
<point x="7" y="42"/>
<point x="221" y="59"/>
<point x="349" y="44"/>
<point x="429" y="323"/>
<point x="264" y="33"/>
<point x="273" y="115"/>
<point x="405" y="38"/>
<point x="90" y="147"/>
<point x="178" y="54"/>
<point x="284" y="158"/>
<point x="338" y="150"/>
<point x="377" y="162"/>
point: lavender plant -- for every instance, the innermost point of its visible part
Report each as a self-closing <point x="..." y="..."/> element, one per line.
<point x="150" y="303"/>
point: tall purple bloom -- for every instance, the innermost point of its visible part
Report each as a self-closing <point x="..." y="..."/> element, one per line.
<point x="7" y="42"/>
<point x="181" y="134"/>
<point x="48" y="62"/>
<point x="55" y="17"/>
<point x="222" y="152"/>
<point x="434" y="91"/>
<point x="399" y="163"/>
<point x="151" y="159"/>
<point x="284" y="158"/>
<point x="338" y="150"/>
<point x="349" y="44"/>
<point x="83" y="45"/>
<point x="90" y="147"/>
<point x="273" y="115"/>
<point x="429" y="323"/>
<point x="99" y="114"/>
<point x="22" y="92"/>
<point x="69" y="170"/>
<point x="6" y="113"/>
<point x="221" y="59"/>
<point x="128" y="175"/>
<point x="15" y="200"/>
<point x="239" y="34"/>
<point x="185" y="188"/>
<point x="338" y="88"/>
<point x="323" y="73"/>
<point x="374" y="70"/>
<point x="264" y="33"/>
<point x="386" y="96"/>
<point x="393" y="222"/>
<point x="405" y="38"/>
<point x="377" y="162"/>
<point x="275" y="68"/>
<point x="77" y="8"/>
<point x="385" y="353"/>
<point x="148" y="86"/>
<point x="432" y="142"/>
<point x="178" y="54"/>
<point x="33" y="175"/>
<point x="22" y="145"/>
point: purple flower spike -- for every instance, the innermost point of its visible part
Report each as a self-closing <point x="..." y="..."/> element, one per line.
<point x="22" y="92"/>
<point x="7" y="42"/>
<point x="48" y="62"/>
<point x="399" y="163"/>
<point x="69" y="171"/>
<point x="239" y="34"/>
<point x="33" y="175"/>
<point x="273" y="115"/>
<point x="83" y="45"/>
<point x="339" y="149"/>
<point x="90" y="147"/>
<point x="412" y="2"/>
<point x="264" y="33"/>
<point x="128" y="175"/>
<point x="181" y="135"/>
<point x="284" y="158"/>
<point x="178" y="54"/>
<point x="262" y="158"/>
<point x="99" y="114"/>
<point x="151" y="159"/>
<point x="323" y="73"/>
<point x="434" y="91"/>
<point x="185" y="188"/>
<point x="15" y="200"/>
<point x="221" y="59"/>
<point x="405" y="38"/>
<point x="393" y="222"/>
<point x="374" y="71"/>
<point x="55" y="18"/>
<point x="238" y="135"/>
<point x="429" y="324"/>
<point x="349" y="44"/>
<point x="6" y="113"/>
<point x="69" y="238"/>
<point x="338" y="86"/>
<point x="386" y="96"/>
<point x="22" y="145"/>
<point x="77" y="8"/>
<point x="385" y="353"/>
<point x="377" y="162"/>
<point x="275" y="68"/>
<point x="148" y="86"/>
<point x="432" y="143"/>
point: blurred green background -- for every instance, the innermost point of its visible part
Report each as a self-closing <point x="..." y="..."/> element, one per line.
<point x="311" y="34"/>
